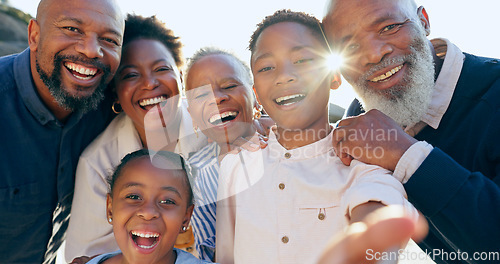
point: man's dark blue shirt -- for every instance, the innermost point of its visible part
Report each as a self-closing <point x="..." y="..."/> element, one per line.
<point x="38" y="158"/>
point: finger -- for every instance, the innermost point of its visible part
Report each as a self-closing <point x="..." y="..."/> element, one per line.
<point x="263" y="144"/>
<point x="338" y="136"/>
<point x="246" y="144"/>
<point x="346" y="158"/>
<point x="347" y="121"/>
<point x="234" y="150"/>
<point x="384" y="229"/>
<point x="422" y="228"/>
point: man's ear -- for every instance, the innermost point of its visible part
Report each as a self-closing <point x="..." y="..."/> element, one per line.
<point x="33" y="35"/>
<point x="424" y="19"/>
<point x="336" y="81"/>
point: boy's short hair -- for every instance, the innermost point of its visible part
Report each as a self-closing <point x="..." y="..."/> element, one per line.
<point x="139" y="27"/>
<point x="165" y="160"/>
<point x="286" y="15"/>
<point x="209" y="51"/>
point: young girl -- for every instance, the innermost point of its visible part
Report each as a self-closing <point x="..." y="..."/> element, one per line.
<point x="150" y="202"/>
<point x="283" y="203"/>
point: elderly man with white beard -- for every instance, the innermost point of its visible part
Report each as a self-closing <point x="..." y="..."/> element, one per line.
<point x="433" y="118"/>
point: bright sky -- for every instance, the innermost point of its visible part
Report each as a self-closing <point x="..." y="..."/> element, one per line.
<point x="471" y="25"/>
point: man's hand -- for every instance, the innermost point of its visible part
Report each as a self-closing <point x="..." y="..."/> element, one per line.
<point x="372" y="138"/>
<point x="384" y="229"/>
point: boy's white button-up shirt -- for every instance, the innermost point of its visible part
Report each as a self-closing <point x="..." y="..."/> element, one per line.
<point x="282" y="206"/>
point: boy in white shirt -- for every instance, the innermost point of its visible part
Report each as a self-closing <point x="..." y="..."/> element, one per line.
<point x="283" y="203"/>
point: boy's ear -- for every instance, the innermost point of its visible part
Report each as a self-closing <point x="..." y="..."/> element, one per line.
<point x="109" y="208"/>
<point x="187" y="217"/>
<point x="336" y="81"/>
<point x="33" y="34"/>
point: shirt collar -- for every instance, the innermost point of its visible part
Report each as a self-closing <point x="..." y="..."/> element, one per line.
<point x="27" y="90"/>
<point x="446" y="81"/>
<point x="317" y="148"/>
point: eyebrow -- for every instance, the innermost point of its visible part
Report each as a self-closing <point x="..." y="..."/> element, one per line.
<point x="294" y="49"/>
<point x="382" y="19"/>
<point x="377" y="21"/>
<point x="124" y="67"/>
<point x="263" y="56"/>
<point x="172" y="189"/>
<point x="166" y="188"/>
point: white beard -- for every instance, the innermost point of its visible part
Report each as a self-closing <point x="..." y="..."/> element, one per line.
<point x="406" y="104"/>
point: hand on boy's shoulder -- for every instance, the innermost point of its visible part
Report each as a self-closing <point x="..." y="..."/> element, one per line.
<point x="372" y="138"/>
<point x="253" y="143"/>
<point x="263" y="125"/>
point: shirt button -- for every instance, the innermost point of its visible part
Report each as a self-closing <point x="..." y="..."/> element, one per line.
<point x="288" y="155"/>
<point x="284" y="239"/>
<point x="321" y="216"/>
<point x="282" y="186"/>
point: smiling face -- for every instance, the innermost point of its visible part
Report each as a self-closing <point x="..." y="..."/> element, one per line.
<point x="148" y="207"/>
<point x="291" y="78"/>
<point x="387" y="57"/>
<point x="75" y="49"/>
<point x="220" y="98"/>
<point x="147" y="80"/>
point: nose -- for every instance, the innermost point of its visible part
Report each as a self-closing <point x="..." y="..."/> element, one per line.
<point x="89" y="46"/>
<point x="148" y="211"/>
<point x="286" y="74"/>
<point x="220" y="96"/>
<point x="150" y="82"/>
<point x="374" y="51"/>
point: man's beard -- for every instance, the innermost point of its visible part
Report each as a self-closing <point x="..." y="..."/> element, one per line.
<point x="408" y="102"/>
<point x="69" y="102"/>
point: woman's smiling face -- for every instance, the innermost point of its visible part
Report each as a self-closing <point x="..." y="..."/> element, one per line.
<point x="147" y="80"/>
<point x="220" y="98"/>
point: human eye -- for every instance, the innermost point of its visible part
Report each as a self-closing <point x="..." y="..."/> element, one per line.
<point x="393" y="28"/>
<point x="133" y="197"/>
<point x="201" y="95"/>
<point x="130" y="75"/>
<point x="163" y="68"/>
<point x="111" y="41"/>
<point x="167" y="202"/>
<point x="303" y="61"/>
<point x="265" y="69"/>
<point x="72" y="29"/>
<point x="230" y="86"/>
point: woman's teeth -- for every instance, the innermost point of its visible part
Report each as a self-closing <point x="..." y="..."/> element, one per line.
<point x="223" y="117"/>
<point x="152" y="101"/>
<point x="387" y="74"/>
<point x="289" y="99"/>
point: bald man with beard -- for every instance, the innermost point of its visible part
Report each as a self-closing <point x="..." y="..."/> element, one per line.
<point x="433" y="118"/>
<point x="53" y="101"/>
